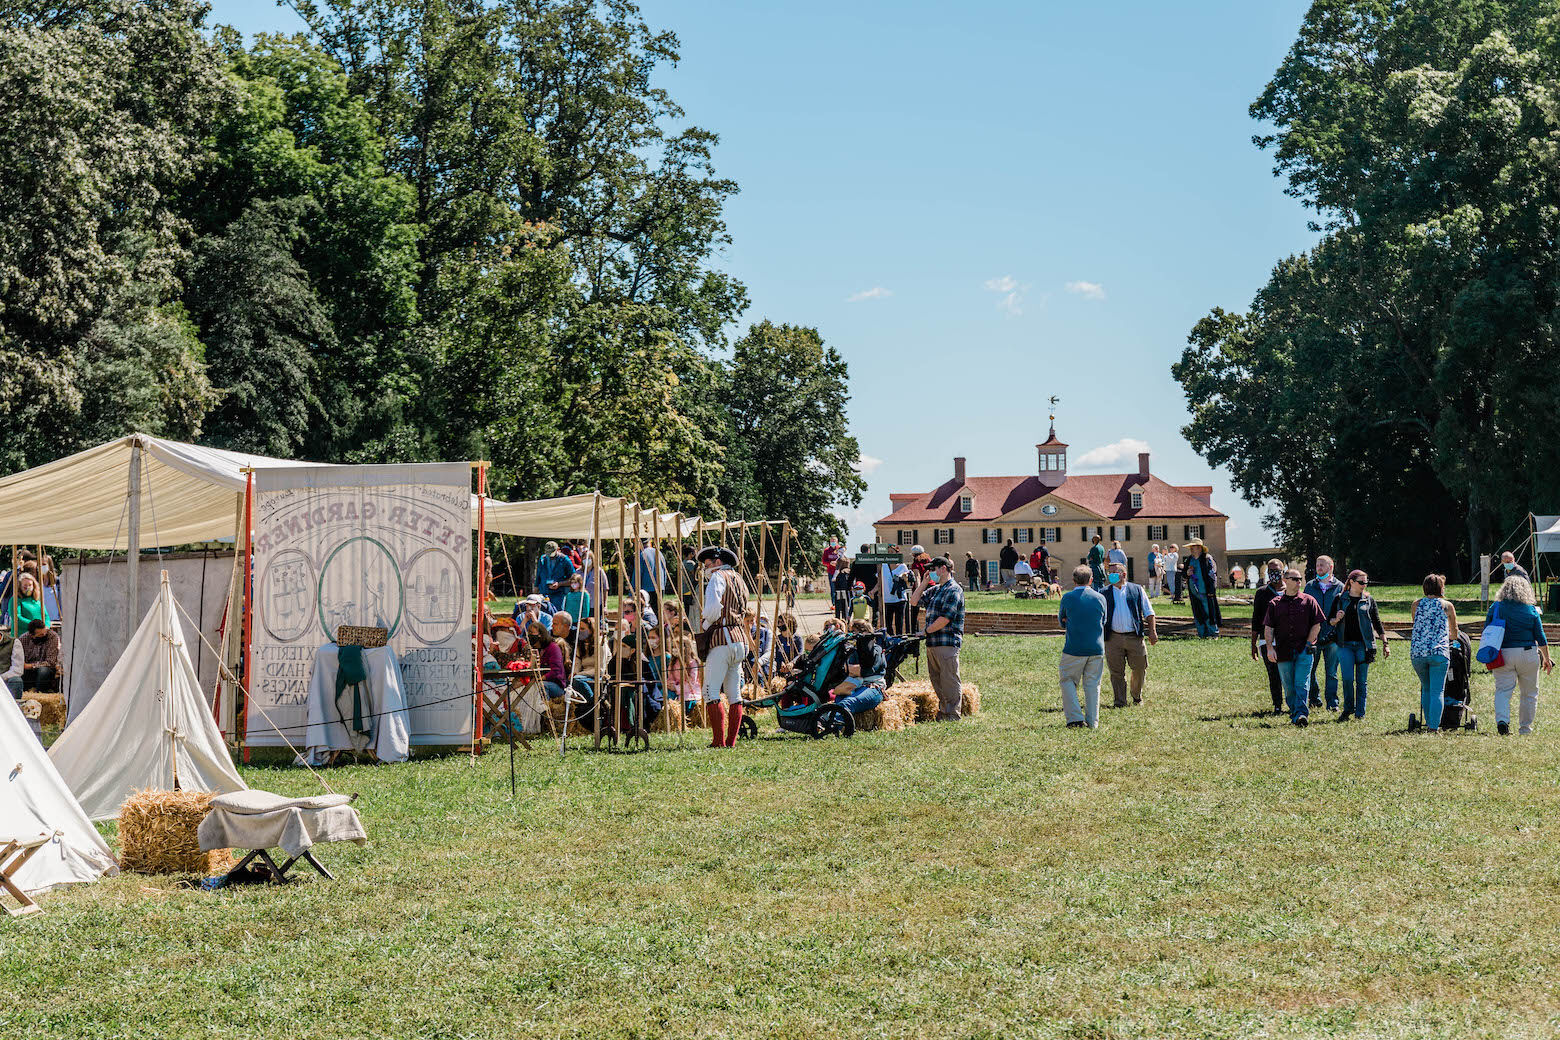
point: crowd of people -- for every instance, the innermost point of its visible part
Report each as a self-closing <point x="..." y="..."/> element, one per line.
<point x="29" y="625"/>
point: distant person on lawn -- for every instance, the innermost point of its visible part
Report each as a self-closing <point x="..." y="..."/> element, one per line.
<point x="1430" y="650"/>
<point x="1081" y="612"/>
<point x="1097" y="563"/>
<point x="1156" y="571"/>
<point x="971" y="572"/>
<point x="1325" y="588"/>
<point x="1357" y="624"/>
<point x="1510" y="568"/>
<point x="1290" y="629"/>
<point x="840" y="587"/>
<point x="1007" y="560"/>
<point x="1272" y="588"/>
<point x="1201" y="577"/>
<point x="1129" y="625"/>
<point x="1172" y="568"/>
<point x="944" y="602"/>
<point x="831" y="556"/>
<point x="1117" y="554"/>
<point x="1523" y="650"/>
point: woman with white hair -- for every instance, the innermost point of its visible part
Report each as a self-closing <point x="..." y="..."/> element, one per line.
<point x="1523" y="650"/>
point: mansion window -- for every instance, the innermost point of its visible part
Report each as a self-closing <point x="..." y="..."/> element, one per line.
<point x="1023" y="534"/>
<point x="966" y="504"/>
<point x="908" y="537"/>
<point x="1158" y="532"/>
<point x="1089" y="533"/>
<point x="1194" y="531"/>
<point x="1121" y="533"/>
<point x="1137" y="500"/>
<point x="942" y="536"/>
<point x="991" y="535"/>
<point x="1050" y="534"/>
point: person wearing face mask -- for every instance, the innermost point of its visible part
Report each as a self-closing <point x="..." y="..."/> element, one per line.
<point x="553" y="571"/>
<point x="1129" y="622"/>
<point x="831" y="557"/>
<point x="1510" y="568"/>
<point x="576" y="602"/>
<point x="1290" y="629"/>
<point x="1325" y="588"/>
<point x="1357" y="624"/>
<point x="944" y="602"/>
<point x="1272" y="588"/>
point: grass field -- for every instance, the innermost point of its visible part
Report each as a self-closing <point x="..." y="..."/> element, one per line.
<point x="1194" y="868"/>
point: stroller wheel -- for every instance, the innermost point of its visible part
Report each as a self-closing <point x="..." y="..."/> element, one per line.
<point x="834" y="720"/>
<point x="749" y="728"/>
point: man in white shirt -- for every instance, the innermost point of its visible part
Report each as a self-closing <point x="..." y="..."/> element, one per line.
<point x="1022" y="569"/>
<point x="1173" y="573"/>
<point x="725" y="601"/>
<point x="1129" y="622"/>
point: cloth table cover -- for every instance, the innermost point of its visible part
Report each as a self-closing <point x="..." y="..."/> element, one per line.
<point x="390" y="729"/>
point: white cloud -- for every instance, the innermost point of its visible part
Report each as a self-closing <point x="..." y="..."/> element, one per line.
<point x="866" y="464"/>
<point x="1011" y="292"/>
<point x="1088" y="290"/>
<point x="1110" y="457"/>
<point x="877" y="292"/>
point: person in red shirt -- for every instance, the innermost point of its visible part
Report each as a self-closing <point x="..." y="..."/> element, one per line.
<point x="831" y="557"/>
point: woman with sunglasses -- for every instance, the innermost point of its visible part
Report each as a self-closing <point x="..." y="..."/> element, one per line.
<point x="1357" y="623"/>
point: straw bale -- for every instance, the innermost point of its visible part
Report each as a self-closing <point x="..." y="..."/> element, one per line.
<point x="888" y="716"/>
<point x="667" y="721"/>
<point x="53" y="708"/>
<point x="157" y="834"/>
<point x="919" y="692"/>
<point x="555" y="710"/>
<point x="970" y="701"/>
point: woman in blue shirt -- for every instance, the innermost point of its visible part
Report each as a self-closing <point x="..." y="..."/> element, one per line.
<point x="1523" y="651"/>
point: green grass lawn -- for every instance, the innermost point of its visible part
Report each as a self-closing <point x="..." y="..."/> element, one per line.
<point x="1194" y="868"/>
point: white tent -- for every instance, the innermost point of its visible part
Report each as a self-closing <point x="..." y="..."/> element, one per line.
<point x="35" y="800"/>
<point x="1546" y="533"/>
<point x="147" y="727"/>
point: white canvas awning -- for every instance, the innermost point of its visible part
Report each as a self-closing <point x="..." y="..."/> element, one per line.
<point x="575" y="517"/>
<point x="1546" y="533"/>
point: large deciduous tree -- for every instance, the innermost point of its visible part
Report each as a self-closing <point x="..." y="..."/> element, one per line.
<point x="1397" y="372"/>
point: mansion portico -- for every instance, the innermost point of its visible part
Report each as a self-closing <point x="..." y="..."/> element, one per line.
<point x="979" y="514"/>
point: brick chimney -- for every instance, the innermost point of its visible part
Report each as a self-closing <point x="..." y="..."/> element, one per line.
<point x="1143" y="464"/>
<point x="958" y="470"/>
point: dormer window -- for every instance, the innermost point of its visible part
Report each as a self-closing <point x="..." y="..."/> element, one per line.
<point x="966" y="503"/>
<point x="1137" y="500"/>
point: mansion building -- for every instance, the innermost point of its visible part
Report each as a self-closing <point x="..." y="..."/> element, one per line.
<point x="979" y="514"/>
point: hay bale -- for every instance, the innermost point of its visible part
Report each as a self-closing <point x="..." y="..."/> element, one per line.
<point x="969" y="703"/>
<point x="669" y="719"/>
<point x="157" y="834"/>
<point x="555" y="710"/>
<point x="888" y="716"/>
<point x="52" y="707"/>
<point x="920" y="693"/>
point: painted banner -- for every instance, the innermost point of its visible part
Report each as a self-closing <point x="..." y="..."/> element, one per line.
<point x="383" y="546"/>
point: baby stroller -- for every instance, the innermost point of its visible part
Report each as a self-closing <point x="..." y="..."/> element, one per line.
<point x="804" y="706"/>
<point x="1457" y="701"/>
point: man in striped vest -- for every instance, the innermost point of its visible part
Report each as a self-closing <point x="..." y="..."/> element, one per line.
<point x="725" y="600"/>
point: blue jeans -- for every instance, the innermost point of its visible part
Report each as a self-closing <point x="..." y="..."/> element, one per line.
<point x="1327" y="659"/>
<point x="1432" y="687"/>
<point x="862" y="698"/>
<point x="1293" y="675"/>
<point x="1356" y="672"/>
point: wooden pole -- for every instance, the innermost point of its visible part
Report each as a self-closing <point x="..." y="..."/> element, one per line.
<point x="482" y="589"/>
<point x="598" y="609"/>
<point x="682" y="654"/>
<point x="643" y="633"/>
<point x="758" y="616"/>
<point x="780" y="551"/>
<point x="617" y="658"/>
<point x="241" y="711"/>
<point x="133" y="552"/>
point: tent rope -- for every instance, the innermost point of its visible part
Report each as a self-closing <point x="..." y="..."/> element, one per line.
<point x="222" y="666"/>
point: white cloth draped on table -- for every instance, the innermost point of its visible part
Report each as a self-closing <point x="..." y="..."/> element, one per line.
<point x="330" y="725"/>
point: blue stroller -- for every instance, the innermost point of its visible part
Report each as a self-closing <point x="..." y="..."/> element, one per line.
<point x="804" y="706"/>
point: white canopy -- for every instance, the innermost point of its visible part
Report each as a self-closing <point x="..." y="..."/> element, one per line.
<point x="1546" y="533"/>
<point x="193" y="494"/>
<point x="35" y="800"/>
<point x="147" y="726"/>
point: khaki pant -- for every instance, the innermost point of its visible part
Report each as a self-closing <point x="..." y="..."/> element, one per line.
<point x="1520" y="670"/>
<point x="1123" y="649"/>
<point x="1081" y="671"/>
<point x="942" y="667"/>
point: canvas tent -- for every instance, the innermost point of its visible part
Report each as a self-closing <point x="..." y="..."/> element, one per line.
<point x="34" y="799"/>
<point x="147" y="727"/>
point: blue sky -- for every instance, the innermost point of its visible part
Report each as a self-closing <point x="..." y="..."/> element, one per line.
<point x="982" y="208"/>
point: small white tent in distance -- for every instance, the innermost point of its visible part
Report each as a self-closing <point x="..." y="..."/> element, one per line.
<point x="148" y="726"/>
<point x="34" y="801"/>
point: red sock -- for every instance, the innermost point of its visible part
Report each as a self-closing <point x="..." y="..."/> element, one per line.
<point x="733" y="723"/>
<point x="717" y="713"/>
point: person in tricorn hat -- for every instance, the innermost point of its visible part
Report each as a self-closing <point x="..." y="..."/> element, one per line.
<point x="725" y="601"/>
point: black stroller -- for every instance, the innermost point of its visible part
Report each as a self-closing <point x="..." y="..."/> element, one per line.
<point x="1457" y="701"/>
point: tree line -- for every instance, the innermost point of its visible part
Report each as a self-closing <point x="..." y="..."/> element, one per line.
<point x="1393" y="390"/>
<point x="421" y="230"/>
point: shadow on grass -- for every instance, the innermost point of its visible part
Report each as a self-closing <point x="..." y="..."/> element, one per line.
<point x="1259" y="713"/>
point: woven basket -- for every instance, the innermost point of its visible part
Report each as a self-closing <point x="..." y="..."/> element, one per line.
<point x="361" y="635"/>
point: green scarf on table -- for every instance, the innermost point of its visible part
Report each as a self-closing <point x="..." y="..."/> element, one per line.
<point x="351" y="671"/>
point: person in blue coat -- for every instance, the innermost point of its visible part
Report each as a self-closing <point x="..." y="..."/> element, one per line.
<point x="553" y="572"/>
<point x="1523" y="650"/>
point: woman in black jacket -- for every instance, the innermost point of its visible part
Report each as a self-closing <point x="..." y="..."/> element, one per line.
<point x="1357" y="624"/>
<point x="1272" y="586"/>
<point x="1200" y="578"/>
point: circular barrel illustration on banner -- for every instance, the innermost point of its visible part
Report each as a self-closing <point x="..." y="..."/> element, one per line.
<point x="433" y="610"/>
<point x="287" y="595"/>
<point x="360" y="584"/>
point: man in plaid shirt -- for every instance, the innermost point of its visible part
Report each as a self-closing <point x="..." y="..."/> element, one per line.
<point x="944" y="603"/>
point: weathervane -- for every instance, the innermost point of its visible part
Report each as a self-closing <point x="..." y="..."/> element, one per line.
<point x="1054" y="399"/>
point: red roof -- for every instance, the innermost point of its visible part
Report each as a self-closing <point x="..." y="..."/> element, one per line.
<point x="1106" y="495"/>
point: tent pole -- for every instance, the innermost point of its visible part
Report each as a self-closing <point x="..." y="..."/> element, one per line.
<point x="133" y="552"/>
<point x="598" y="592"/>
<point x="1532" y="547"/>
<point x="682" y="656"/>
<point x="660" y="586"/>
<point x="758" y="615"/>
<point x="482" y="589"/>
<point x="246" y="649"/>
<point x="622" y="591"/>
<point x="782" y="551"/>
<point x="642" y="635"/>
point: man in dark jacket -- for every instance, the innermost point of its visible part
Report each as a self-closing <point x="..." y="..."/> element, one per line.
<point x="1272" y="587"/>
<point x="1007" y="559"/>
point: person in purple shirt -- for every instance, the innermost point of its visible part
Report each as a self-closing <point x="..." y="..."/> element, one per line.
<point x="1293" y="622"/>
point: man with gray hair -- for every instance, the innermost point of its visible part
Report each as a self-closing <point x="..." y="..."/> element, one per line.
<point x="1325" y="588"/>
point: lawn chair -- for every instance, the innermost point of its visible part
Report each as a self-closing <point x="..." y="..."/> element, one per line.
<point x="14" y="854"/>
<point x="1024" y="586"/>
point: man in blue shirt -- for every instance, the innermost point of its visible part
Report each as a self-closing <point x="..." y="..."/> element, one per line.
<point x="552" y="575"/>
<point x="944" y="602"/>
<point x="1082" y="613"/>
<point x="652" y="572"/>
<point x="1325" y="588"/>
